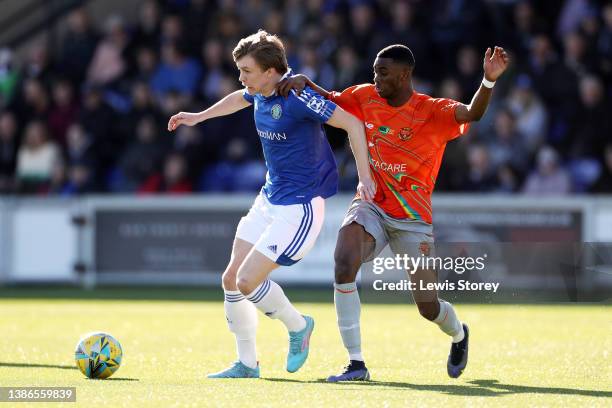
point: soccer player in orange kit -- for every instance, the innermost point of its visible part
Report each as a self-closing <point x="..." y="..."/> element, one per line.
<point x="406" y="133"/>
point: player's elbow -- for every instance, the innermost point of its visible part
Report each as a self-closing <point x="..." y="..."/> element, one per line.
<point x="469" y="115"/>
<point x="352" y="125"/>
<point x="477" y="115"/>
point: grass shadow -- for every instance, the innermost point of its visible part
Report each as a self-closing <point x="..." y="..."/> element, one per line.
<point x="528" y="389"/>
<point x="479" y="388"/>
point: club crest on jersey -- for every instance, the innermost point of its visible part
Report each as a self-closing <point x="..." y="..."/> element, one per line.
<point x="405" y="133"/>
<point x="315" y="104"/>
<point x="276" y="111"/>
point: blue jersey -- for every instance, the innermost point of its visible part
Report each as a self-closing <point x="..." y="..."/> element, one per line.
<point x="300" y="161"/>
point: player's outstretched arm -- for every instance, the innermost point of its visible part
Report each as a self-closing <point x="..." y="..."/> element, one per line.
<point x="356" y="133"/>
<point x="298" y="83"/>
<point x="495" y="63"/>
<point x="226" y="106"/>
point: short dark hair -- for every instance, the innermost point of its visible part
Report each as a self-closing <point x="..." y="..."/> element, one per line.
<point x="398" y="53"/>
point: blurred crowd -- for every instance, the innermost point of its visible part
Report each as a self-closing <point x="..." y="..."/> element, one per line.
<point x="87" y="113"/>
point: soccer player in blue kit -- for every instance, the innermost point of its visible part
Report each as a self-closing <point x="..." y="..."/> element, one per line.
<point x="286" y="217"/>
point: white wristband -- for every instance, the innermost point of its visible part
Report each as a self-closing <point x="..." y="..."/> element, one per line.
<point x="487" y="83"/>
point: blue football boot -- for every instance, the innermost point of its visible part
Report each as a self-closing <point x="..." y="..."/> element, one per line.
<point x="237" y="370"/>
<point x="299" y="344"/>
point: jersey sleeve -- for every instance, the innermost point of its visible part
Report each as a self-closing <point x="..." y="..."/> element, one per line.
<point x="310" y="105"/>
<point x="347" y="100"/>
<point x="247" y="96"/>
<point x="443" y="118"/>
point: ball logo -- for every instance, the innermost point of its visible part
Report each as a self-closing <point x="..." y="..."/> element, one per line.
<point x="276" y="111"/>
<point x="315" y="104"/>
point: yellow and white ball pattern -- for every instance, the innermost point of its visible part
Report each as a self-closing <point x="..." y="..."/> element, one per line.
<point x="98" y="355"/>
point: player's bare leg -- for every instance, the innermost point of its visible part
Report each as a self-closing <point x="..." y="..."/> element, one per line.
<point x="443" y="314"/>
<point x="354" y="244"/>
<point x="269" y="297"/>
<point x="241" y="317"/>
<point x="240" y="250"/>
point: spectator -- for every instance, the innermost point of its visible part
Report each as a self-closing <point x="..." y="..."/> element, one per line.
<point x="349" y="72"/>
<point x="591" y="126"/>
<point x="236" y="172"/>
<point x="96" y="117"/>
<point x="147" y="32"/>
<point x="141" y="157"/>
<point x="319" y="71"/>
<point x="214" y="68"/>
<point x="469" y="68"/>
<point x="173" y="180"/>
<point x="480" y="173"/>
<point x="603" y="185"/>
<point x="146" y="65"/>
<point x="108" y="63"/>
<point x="9" y="143"/>
<point x="604" y="43"/>
<point x="35" y="102"/>
<point x="64" y="111"/>
<point x="530" y="113"/>
<point x="176" y="72"/>
<point x="549" y="178"/>
<point x="39" y="65"/>
<point x="526" y="24"/>
<point x="77" y="46"/>
<point x="507" y="146"/>
<point x="197" y="18"/>
<point x="81" y="150"/>
<point x="9" y="77"/>
<point x="36" y="158"/>
<point x="188" y="142"/>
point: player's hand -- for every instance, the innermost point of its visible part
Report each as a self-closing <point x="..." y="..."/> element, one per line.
<point x="495" y="63"/>
<point x="366" y="188"/>
<point x="297" y="82"/>
<point x="182" y="118"/>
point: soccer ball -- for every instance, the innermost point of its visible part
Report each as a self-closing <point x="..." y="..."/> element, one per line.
<point x="98" y="355"/>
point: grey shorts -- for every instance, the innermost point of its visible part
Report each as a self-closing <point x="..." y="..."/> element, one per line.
<point x="409" y="237"/>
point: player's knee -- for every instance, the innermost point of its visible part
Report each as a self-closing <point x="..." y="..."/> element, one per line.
<point x="245" y="286"/>
<point x="429" y="310"/>
<point x="346" y="266"/>
<point x="229" y="279"/>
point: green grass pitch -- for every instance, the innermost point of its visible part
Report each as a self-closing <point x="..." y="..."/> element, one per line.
<point x="520" y="355"/>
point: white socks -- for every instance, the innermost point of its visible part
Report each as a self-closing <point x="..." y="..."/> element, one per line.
<point x="241" y="315"/>
<point x="242" y="320"/>
<point x="448" y="322"/>
<point x="348" y="311"/>
<point x="271" y="300"/>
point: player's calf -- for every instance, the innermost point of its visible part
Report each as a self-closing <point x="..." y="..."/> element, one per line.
<point x="429" y="310"/>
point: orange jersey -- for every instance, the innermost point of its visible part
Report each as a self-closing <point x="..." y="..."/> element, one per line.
<point x="405" y="144"/>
